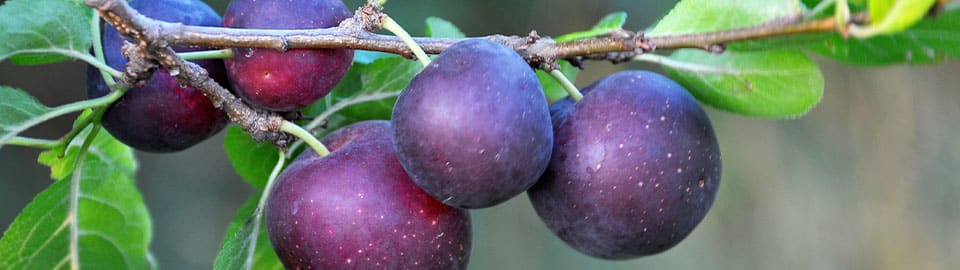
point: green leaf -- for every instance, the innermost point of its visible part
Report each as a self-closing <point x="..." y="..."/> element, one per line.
<point x="610" y="23"/>
<point x="44" y="31"/>
<point x="890" y="16"/>
<point x="60" y="167"/>
<point x="20" y="111"/>
<point x="440" y="28"/>
<point x="777" y="84"/>
<point x="932" y="40"/>
<point x="551" y="87"/>
<point x="236" y="249"/>
<point x="252" y="160"/>
<point x="693" y="16"/>
<point x="111" y="221"/>
<point x="367" y="92"/>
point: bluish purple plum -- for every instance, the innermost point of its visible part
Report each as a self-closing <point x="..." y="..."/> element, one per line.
<point x="635" y="167"/>
<point x="163" y="115"/>
<point x="473" y="128"/>
<point x="294" y="79"/>
<point x="356" y="208"/>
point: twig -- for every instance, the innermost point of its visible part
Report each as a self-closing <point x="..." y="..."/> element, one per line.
<point x="156" y="36"/>
<point x="151" y="44"/>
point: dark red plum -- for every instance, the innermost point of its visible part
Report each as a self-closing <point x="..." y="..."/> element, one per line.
<point x="162" y="115"/>
<point x="473" y="128"/>
<point x="635" y="167"/>
<point x="358" y="209"/>
<point x="294" y="79"/>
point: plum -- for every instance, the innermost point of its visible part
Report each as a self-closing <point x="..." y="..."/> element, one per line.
<point x="635" y="167"/>
<point x="473" y="128"/>
<point x="356" y="208"/>
<point x="294" y="79"/>
<point x="163" y="115"/>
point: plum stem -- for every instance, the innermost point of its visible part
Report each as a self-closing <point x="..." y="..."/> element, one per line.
<point x="567" y="85"/>
<point x="98" y="52"/>
<point x="303" y="134"/>
<point x="390" y="25"/>
<point x="205" y="55"/>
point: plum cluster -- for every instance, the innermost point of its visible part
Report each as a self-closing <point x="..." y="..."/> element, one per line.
<point x="628" y="171"/>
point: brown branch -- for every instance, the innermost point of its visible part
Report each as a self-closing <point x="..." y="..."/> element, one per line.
<point x="150" y="45"/>
<point x="353" y="35"/>
<point x="156" y="36"/>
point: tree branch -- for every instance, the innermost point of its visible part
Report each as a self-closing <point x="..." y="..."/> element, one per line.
<point x="152" y="46"/>
<point x="156" y="36"/>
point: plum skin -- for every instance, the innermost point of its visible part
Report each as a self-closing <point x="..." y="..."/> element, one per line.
<point x="635" y="168"/>
<point x="162" y="115"/>
<point x="358" y="209"/>
<point x="473" y="128"/>
<point x="293" y="79"/>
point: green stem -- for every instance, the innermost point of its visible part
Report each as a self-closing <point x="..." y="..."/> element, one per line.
<point x="567" y="85"/>
<point x="820" y="8"/>
<point x="205" y="55"/>
<point x="74" y="250"/>
<point x="32" y="142"/>
<point x="106" y="73"/>
<point x="842" y="15"/>
<point x="396" y="29"/>
<point x="303" y="134"/>
<point x="60" y="111"/>
<point x="258" y="213"/>
<point x="80" y="126"/>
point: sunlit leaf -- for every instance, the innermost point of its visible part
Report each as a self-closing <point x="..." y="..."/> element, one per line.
<point x="44" y="31"/>
<point x="779" y="84"/>
<point x="252" y="160"/>
<point x="111" y="221"/>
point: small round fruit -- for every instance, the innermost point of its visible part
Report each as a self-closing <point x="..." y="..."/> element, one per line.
<point x="635" y="167"/>
<point x="294" y="79"/>
<point x="163" y="115"/>
<point x="356" y="208"/>
<point x="473" y="128"/>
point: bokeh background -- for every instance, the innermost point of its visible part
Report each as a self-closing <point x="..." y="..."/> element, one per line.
<point x="867" y="180"/>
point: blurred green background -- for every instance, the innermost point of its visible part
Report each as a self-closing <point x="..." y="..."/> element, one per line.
<point x="865" y="181"/>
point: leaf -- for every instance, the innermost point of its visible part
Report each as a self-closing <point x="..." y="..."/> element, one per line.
<point x="60" y="167"/>
<point x="890" y="16"/>
<point x="777" y="84"/>
<point x="440" y="28"/>
<point x="44" y="31"/>
<point x="112" y="222"/>
<point x="235" y="249"/>
<point x="693" y="16"/>
<point x="610" y="23"/>
<point x="551" y="87"/>
<point x="932" y="40"/>
<point x="252" y="160"/>
<point x="20" y="111"/>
